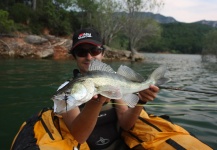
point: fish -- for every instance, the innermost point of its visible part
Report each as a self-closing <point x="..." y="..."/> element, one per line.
<point x="102" y="79"/>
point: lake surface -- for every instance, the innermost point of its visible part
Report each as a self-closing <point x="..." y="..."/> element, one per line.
<point x="27" y="85"/>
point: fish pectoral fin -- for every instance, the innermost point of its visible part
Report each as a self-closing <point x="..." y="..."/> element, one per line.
<point x="110" y="92"/>
<point x="131" y="100"/>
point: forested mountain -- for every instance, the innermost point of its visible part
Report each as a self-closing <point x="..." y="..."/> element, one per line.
<point x="165" y="19"/>
<point x="158" y="17"/>
<point x="178" y="37"/>
<point x="210" y="23"/>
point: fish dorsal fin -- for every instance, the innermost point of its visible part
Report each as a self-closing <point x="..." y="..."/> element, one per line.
<point x="96" y="65"/>
<point x="130" y="74"/>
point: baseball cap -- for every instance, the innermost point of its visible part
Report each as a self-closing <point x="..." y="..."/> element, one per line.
<point x="86" y="35"/>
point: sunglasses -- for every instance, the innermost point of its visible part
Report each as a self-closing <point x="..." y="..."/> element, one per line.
<point x="83" y="52"/>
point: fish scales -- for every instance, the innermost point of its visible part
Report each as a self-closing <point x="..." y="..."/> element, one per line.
<point x="102" y="78"/>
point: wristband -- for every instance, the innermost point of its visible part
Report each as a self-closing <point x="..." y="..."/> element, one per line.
<point x="141" y="102"/>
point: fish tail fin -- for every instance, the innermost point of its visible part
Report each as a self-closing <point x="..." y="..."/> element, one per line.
<point x="158" y="75"/>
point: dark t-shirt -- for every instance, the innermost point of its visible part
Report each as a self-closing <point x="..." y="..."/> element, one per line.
<point x="106" y="130"/>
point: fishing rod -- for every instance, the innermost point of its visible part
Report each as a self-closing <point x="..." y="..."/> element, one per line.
<point x="177" y="105"/>
<point x="166" y="105"/>
<point x="187" y="90"/>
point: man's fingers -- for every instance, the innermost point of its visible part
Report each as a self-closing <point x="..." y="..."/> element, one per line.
<point x="154" y="88"/>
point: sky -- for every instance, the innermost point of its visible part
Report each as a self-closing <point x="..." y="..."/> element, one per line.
<point x="190" y="10"/>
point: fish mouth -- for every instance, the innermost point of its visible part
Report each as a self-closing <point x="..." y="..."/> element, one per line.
<point x="57" y="97"/>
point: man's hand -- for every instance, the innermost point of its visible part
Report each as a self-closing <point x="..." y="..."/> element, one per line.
<point x="149" y="94"/>
<point x="100" y="98"/>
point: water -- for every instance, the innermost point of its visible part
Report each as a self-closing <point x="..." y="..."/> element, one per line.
<point x="27" y="85"/>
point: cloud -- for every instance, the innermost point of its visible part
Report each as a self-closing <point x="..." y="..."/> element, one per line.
<point x="190" y="10"/>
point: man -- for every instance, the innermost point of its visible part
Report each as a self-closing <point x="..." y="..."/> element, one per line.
<point x="97" y="122"/>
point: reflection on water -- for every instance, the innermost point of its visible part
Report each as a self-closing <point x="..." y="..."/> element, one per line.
<point x="195" y="111"/>
<point x="27" y="85"/>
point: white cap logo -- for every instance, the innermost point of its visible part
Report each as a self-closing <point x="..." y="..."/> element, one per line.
<point x="84" y="35"/>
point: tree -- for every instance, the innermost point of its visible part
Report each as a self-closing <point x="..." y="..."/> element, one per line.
<point x="34" y="4"/>
<point x="107" y="21"/>
<point x="135" y="27"/>
<point x="51" y="15"/>
<point x="20" y="13"/>
<point x="6" y="25"/>
<point x="101" y="15"/>
<point x="86" y="9"/>
<point x="210" y="45"/>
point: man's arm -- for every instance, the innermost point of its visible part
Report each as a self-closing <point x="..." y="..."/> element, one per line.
<point x="81" y="124"/>
<point x="128" y="116"/>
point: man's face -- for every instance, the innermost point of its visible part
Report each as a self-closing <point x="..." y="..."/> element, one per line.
<point x="83" y="57"/>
